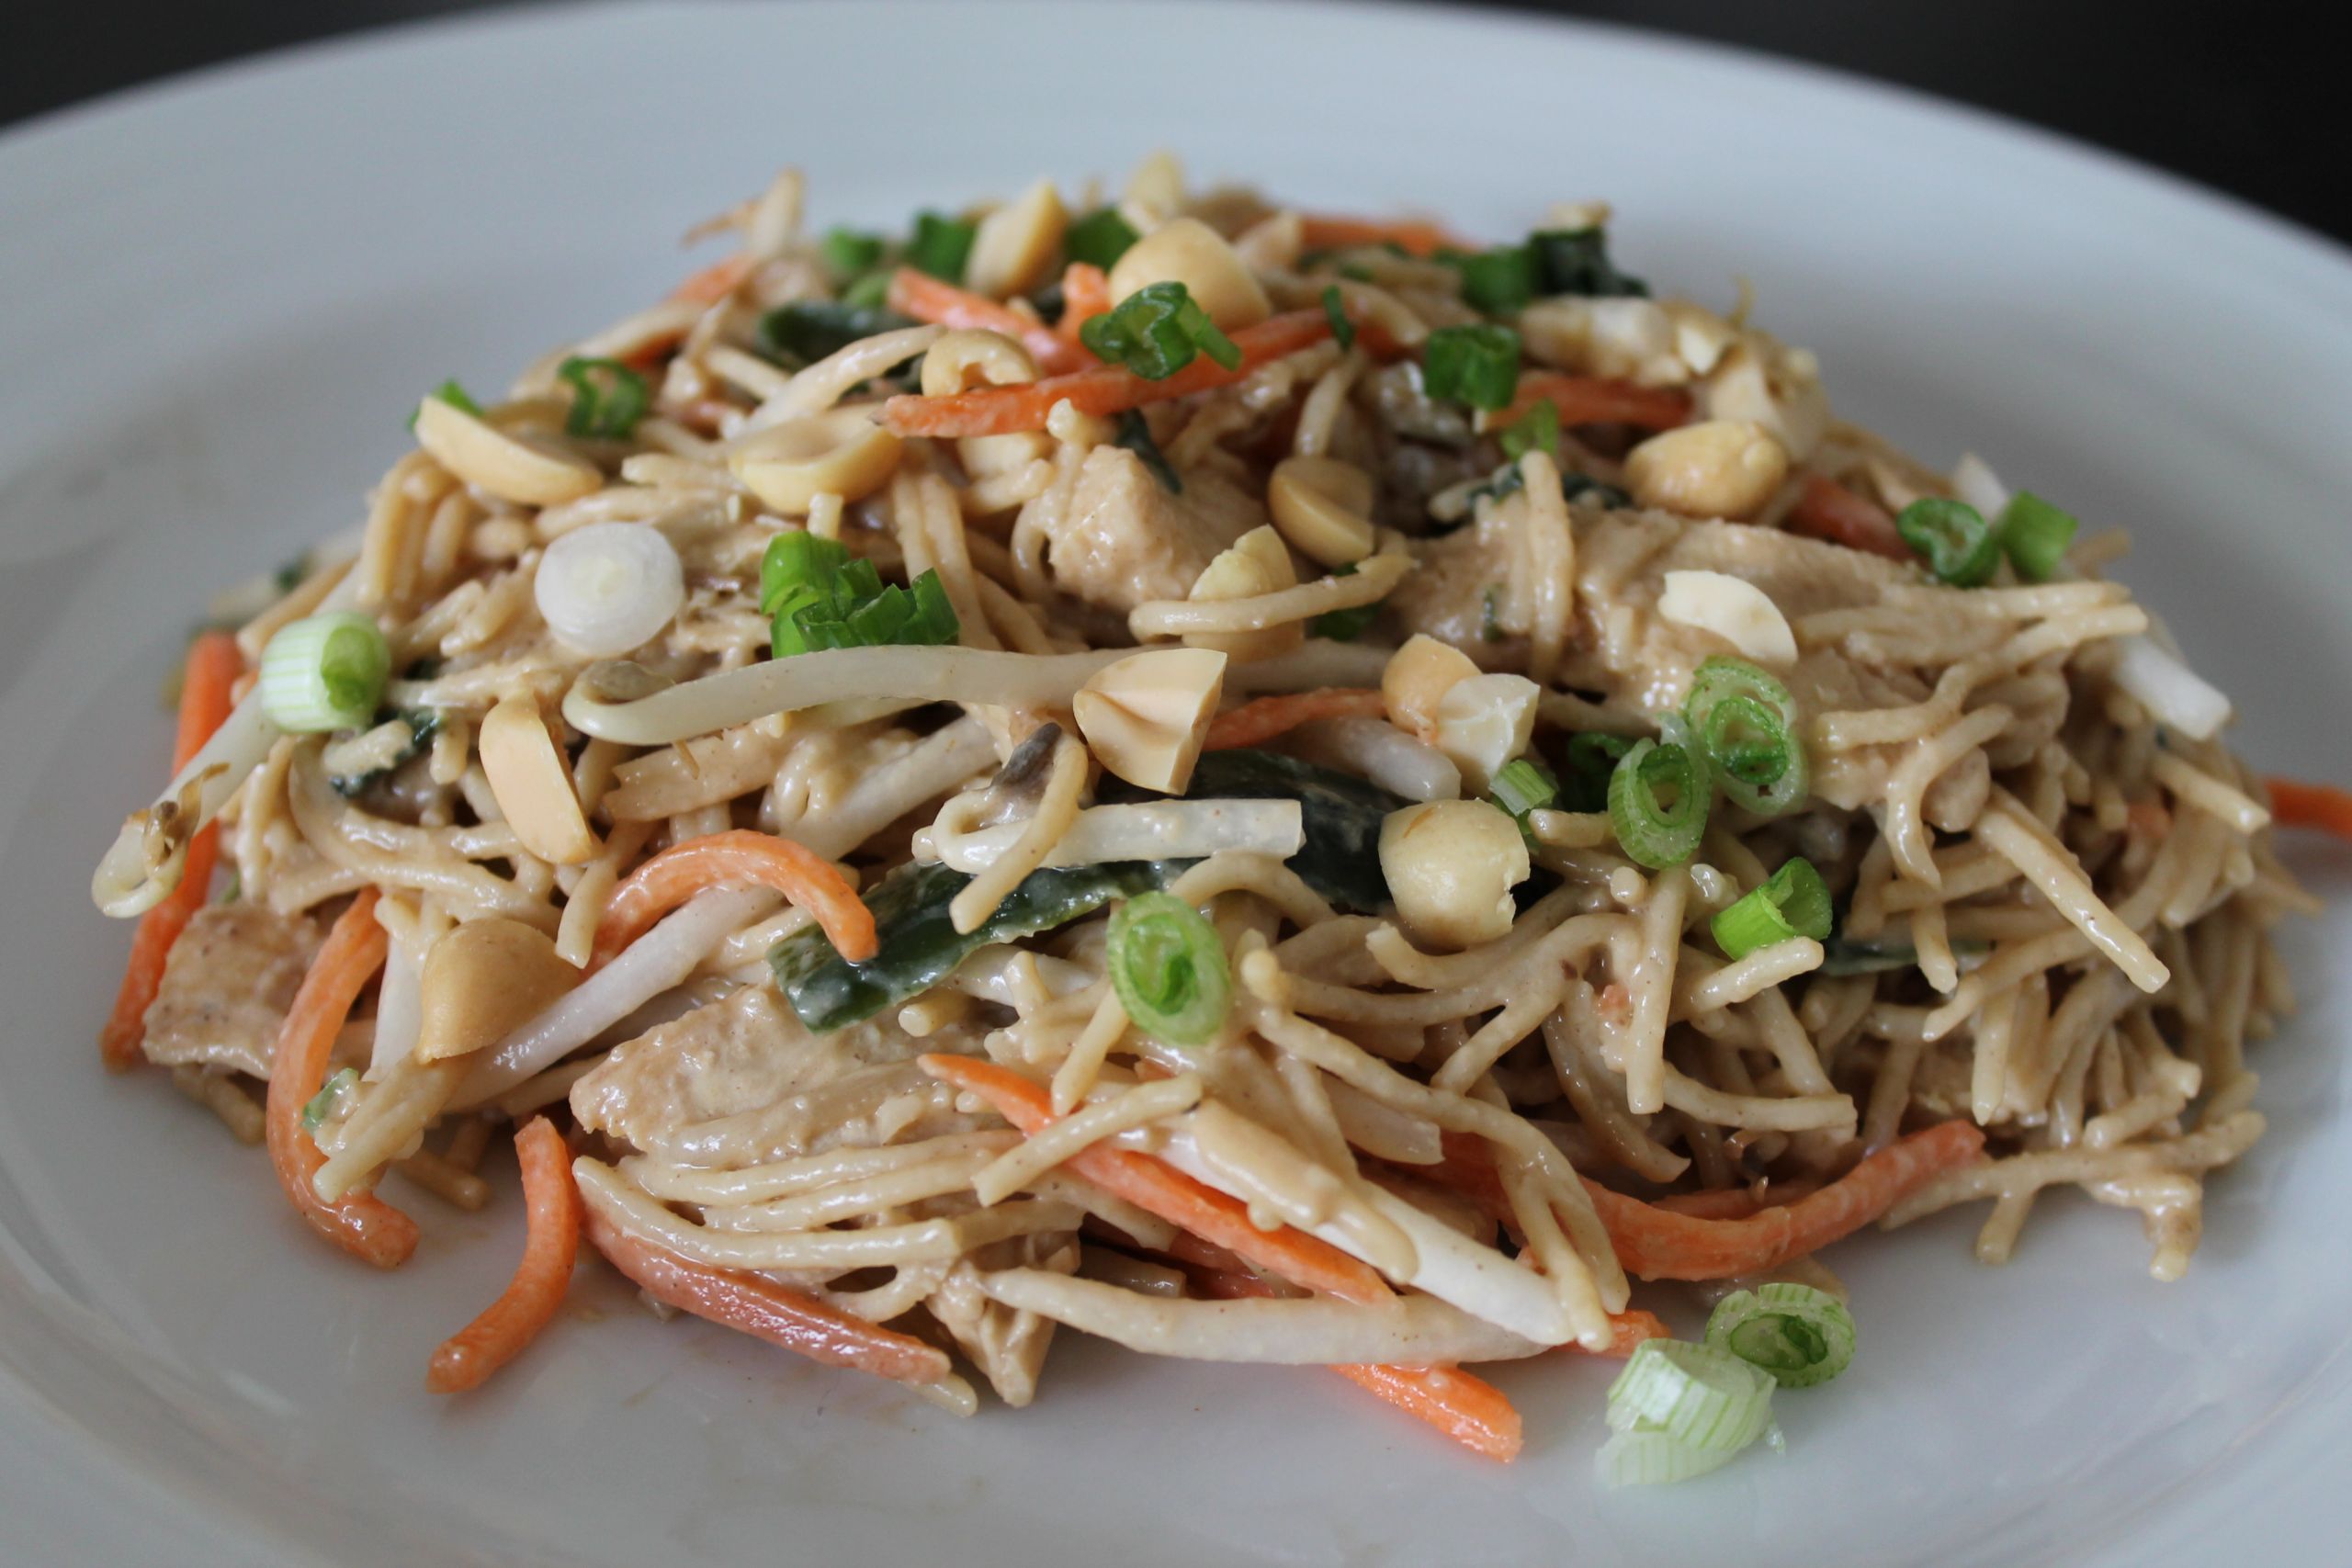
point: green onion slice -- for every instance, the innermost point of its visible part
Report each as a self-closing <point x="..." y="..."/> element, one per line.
<point x="1158" y="330"/>
<point x="1953" y="539"/>
<point x="607" y="398"/>
<point x="848" y="252"/>
<point x="1335" y="311"/>
<point x="941" y="246"/>
<point x="1497" y="281"/>
<point x="321" y="1105"/>
<point x="1345" y="625"/>
<point x="1696" y="1396"/>
<point x="1746" y="722"/>
<point x="2037" y="535"/>
<point x="1168" y="969"/>
<point x="1592" y="758"/>
<point x="1476" y="365"/>
<point x="870" y="293"/>
<point x="324" y="672"/>
<point x="1536" y="430"/>
<point x="1657" y="803"/>
<point x="1792" y="901"/>
<point x="819" y="596"/>
<point x="1523" y="786"/>
<point x="1798" y="1335"/>
<point x="1098" y="239"/>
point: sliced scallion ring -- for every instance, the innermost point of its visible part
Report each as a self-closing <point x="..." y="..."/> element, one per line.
<point x="1797" y="1333"/>
<point x="324" y="672"/>
<point x="1960" y="547"/>
<point x="1698" y="1394"/>
<point x="1794" y="901"/>
<point x="1657" y="803"/>
<point x="1745" y="722"/>
<point x="1168" y="969"/>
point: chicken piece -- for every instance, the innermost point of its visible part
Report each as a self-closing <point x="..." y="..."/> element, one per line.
<point x="1008" y="1346"/>
<point x="227" y="985"/>
<point x="745" y="1079"/>
<point x="1124" y="539"/>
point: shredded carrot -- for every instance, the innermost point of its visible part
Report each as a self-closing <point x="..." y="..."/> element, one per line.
<point x="1727" y="1203"/>
<point x="1597" y="400"/>
<point x="1630" y="1329"/>
<point x="360" y="1222"/>
<point x="1263" y="719"/>
<point x="736" y="858"/>
<point x="550" y="1246"/>
<point x="1827" y="510"/>
<point x="1086" y="294"/>
<point x="2323" y="807"/>
<point x="715" y="282"/>
<point x="1155" y="1187"/>
<point x="1470" y="1410"/>
<point x="2147" y="818"/>
<point x="1658" y="1244"/>
<point x="213" y="665"/>
<point x="765" y="1309"/>
<point x="927" y="299"/>
<point x="1102" y="390"/>
<point x="1414" y="237"/>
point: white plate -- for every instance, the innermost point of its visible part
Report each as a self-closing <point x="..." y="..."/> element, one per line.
<point x="222" y="296"/>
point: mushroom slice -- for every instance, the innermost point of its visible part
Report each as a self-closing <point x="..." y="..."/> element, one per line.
<point x="533" y="787"/>
<point x="1145" y="717"/>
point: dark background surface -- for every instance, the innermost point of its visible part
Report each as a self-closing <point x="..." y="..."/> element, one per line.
<point x="2241" y="96"/>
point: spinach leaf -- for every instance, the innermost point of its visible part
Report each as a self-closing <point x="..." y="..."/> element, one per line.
<point x="1341" y="859"/>
<point x="807" y="330"/>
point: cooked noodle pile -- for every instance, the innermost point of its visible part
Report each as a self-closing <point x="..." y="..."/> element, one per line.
<point x="806" y="933"/>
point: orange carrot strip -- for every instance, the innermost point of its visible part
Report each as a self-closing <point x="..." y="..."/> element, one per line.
<point x="1414" y="237"/>
<point x="1470" y="1410"/>
<point x="1597" y="400"/>
<point x="1827" y="510"/>
<point x="550" y="1246"/>
<point x="360" y="1222"/>
<point x="213" y="666"/>
<point x="737" y="858"/>
<point x="715" y="282"/>
<point x="761" y="1307"/>
<point x="2323" y="807"/>
<point x="1630" y="1329"/>
<point x="1086" y="294"/>
<point x="1154" y="1187"/>
<point x="1263" y="719"/>
<point x="1103" y="389"/>
<point x="1658" y="1244"/>
<point x="927" y="299"/>
<point x="1466" y="1407"/>
<point x="1730" y="1203"/>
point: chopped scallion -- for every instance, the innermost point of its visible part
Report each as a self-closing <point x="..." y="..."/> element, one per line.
<point x="1168" y="969"/>
<point x="1592" y="758"/>
<point x="1745" y="722"/>
<point x="1798" y="1335"/>
<point x="1524" y="786"/>
<point x="321" y="1105"/>
<point x="607" y="398"/>
<point x="455" y="396"/>
<point x="1960" y="547"/>
<point x="1156" y="332"/>
<point x="1537" y="430"/>
<point x="871" y="292"/>
<point x="1098" y="239"/>
<point x="2037" y="535"/>
<point x="1335" y="311"/>
<point x="326" y="671"/>
<point x="1659" y="800"/>
<point x="848" y="252"/>
<point x="819" y="596"/>
<point x="1794" y="901"/>
<point x="941" y="246"/>
<point x="1476" y="365"/>
<point x="1345" y="625"/>
<point x="1679" y="1410"/>
<point x="1497" y="281"/>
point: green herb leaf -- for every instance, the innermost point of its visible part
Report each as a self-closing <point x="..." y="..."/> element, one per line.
<point x="848" y="252"/>
<point x="807" y="330"/>
<point x="1474" y="365"/>
<point x="1098" y="239"/>
<point x="941" y="246"/>
<point x="607" y="398"/>
<point x="1575" y="260"/>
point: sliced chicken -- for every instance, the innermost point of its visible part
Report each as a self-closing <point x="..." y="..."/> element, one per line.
<point x="1124" y="537"/>
<point x="231" y="978"/>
